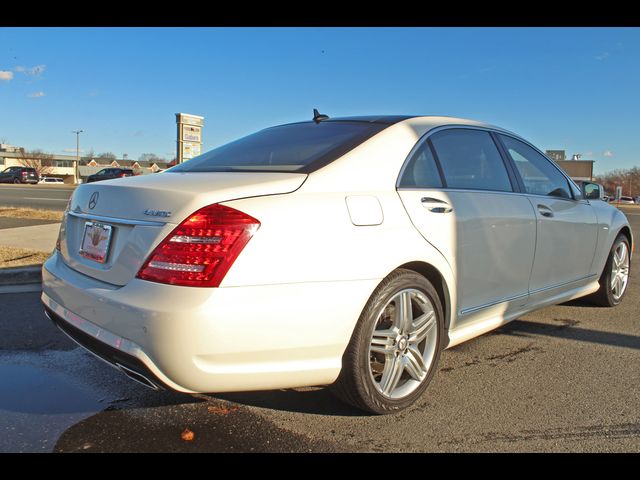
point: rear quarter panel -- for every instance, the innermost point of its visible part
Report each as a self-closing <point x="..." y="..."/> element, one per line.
<point x="309" y="236"/>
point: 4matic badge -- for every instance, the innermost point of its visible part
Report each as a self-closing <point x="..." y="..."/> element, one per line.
<point x="157" y="213"/>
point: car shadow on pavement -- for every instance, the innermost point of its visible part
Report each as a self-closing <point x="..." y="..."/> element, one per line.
<point x="567" y="329"/>
<point x="581" y="302"/>
<point x="316" y="400"/>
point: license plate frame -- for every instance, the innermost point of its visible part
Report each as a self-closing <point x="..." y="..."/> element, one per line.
<point x="96" y="240"/>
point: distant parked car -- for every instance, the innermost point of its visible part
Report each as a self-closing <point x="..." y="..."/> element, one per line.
<point x="109" y="173"/>
<point x="19" y="175"/>
<point x="627" y="201"/>
<point x="51" y="180"/>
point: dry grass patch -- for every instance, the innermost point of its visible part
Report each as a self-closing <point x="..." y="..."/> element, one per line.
<point x="16" y="212"/>
<point x="21" y="257"/>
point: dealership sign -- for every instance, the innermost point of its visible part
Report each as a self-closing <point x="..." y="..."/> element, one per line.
<point x="189" y="136"/>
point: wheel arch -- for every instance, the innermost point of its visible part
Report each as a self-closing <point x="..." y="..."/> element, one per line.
<point x="438" y="281"/>
<point x="626" y="231"/>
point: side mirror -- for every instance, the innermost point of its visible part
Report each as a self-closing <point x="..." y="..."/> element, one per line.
<point x="592" y="191"/>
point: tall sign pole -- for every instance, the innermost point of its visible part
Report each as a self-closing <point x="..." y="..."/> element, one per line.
<point x="75" y="170"/>
<point x="189" y="143"/>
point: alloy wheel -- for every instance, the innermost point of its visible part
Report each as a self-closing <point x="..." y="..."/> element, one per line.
<point x="403" y="344"/>
<point x="619" y="271"/>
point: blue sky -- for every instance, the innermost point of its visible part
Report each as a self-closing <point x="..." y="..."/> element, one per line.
<point x="576" y="89"/>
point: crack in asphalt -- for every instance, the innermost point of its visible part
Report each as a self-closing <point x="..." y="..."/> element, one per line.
<point x="507" y="357"/>
<point x="511" y="356"/>
<point x="623" y="430"/>
<point x="566" y="323"/>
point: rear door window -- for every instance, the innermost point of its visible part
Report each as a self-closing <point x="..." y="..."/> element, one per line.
<point x="421" y="170"/>
<point x="470" y="160"/>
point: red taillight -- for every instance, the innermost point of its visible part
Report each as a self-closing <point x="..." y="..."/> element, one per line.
<point x="122" y="175"/>
<point x="200" y="251"/>
<point x="24" y="174"/>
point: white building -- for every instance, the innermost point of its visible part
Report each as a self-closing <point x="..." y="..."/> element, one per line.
<point x="62" y="166"/>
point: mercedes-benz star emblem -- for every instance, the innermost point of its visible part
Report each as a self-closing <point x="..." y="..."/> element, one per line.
<point x="93" y="200"/>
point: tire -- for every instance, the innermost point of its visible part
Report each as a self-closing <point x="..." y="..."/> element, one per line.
<point x="618" y="263"/>
<point x="387" y="373"/>
<point x="16" y="181"/>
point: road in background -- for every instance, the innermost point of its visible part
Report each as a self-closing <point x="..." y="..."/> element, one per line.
<point x="42" y="197"/>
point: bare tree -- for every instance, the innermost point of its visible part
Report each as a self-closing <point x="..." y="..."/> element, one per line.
<point x="628" y="179"/>
<point x="87" y="157"/>
<point x="150" y="157"/>
<point x="42" y="162"/>
<point x="109" y="155"/>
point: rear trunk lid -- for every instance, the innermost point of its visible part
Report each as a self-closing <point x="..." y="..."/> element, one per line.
<point x="135" y="214"/>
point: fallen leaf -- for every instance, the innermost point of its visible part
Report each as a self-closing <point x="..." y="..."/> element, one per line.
<point x="222" y="410"/>
<point x="187" y="435"/>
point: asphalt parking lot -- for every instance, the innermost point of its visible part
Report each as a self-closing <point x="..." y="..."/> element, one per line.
<point x="563" y="379"/>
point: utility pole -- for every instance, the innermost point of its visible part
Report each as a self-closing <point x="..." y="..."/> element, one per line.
<point x="76" y="169"/>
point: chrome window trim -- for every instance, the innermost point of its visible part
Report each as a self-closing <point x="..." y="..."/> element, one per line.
<point x="452" y="126"/>
<point x="492" y="192"/>
<point x="489" y="129"/>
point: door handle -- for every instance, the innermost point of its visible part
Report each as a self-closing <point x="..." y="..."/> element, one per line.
<point x="545" y="211"/>
<point x="436" y="205"/>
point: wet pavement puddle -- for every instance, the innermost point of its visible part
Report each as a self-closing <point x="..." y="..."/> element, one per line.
<point x="37" y="406"/>
<point x="39" y="403"/>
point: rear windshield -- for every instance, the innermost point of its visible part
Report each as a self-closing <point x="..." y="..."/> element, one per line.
<point x="298" y="147"/>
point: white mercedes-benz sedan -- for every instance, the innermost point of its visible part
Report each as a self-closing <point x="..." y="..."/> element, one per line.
<point x="346" y="252"/>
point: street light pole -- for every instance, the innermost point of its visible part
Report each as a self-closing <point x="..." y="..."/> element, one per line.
<point x="75" y="170"/>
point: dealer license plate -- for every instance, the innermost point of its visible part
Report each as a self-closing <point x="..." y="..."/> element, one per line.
<point x="95" y="241"/>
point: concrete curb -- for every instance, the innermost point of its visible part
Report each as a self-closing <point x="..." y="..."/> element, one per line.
<point x="21" y="275"/>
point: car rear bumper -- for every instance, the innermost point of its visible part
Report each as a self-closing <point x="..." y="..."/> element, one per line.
<point x="210" y="340"/>
<point x="115" y="352"/>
